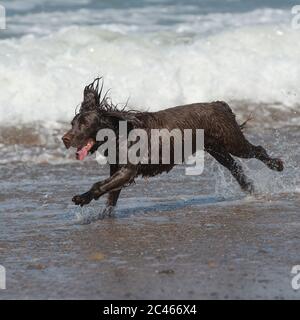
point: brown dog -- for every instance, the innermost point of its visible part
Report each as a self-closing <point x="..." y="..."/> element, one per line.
<point x="223" y="137"/>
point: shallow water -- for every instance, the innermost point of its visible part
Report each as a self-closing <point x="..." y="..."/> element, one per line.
<point x="173" y="236"/>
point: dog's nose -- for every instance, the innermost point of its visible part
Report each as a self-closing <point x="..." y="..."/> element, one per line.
<point x="67" y="141"/>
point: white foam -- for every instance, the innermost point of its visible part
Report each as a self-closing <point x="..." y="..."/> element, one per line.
<point x="42" y="78"/>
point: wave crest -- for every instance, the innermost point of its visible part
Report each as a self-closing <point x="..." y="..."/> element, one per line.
<point x="42" y="79"/>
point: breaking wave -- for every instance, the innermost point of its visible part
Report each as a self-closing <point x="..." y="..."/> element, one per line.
<point x="42" y="78"/>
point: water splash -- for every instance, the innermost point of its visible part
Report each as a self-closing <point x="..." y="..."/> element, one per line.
<point x="87" y="215"/>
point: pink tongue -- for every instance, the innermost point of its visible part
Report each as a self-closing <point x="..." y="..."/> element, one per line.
<point x="82" y="153"/>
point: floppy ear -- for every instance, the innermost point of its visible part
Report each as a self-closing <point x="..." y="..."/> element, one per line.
<point x="91" y="96"/>
<point x="130" y="117"/>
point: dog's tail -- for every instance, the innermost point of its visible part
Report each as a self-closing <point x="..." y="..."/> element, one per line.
<point x="244" y="124"/>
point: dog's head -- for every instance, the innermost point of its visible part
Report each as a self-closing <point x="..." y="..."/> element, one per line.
<point x="95" y="113"/>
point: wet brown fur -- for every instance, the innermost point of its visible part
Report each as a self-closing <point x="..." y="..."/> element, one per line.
<point x="223" y="138"/>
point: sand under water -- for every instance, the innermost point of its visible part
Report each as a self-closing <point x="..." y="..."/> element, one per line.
<point x="173" y="236"/>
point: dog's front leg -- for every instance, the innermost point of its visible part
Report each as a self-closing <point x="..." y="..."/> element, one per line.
<point x="112" y="199"/>
<point x="122" y="177"/>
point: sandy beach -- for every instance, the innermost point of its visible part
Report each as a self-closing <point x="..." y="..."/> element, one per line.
<point x="172" y="237"/>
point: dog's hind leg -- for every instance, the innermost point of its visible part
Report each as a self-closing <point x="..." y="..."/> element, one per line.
<point x="225" y="159"/>
<point x="261" y="154"/>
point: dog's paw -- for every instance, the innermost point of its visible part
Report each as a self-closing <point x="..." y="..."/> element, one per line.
<point x="278" y="164"/>
<point x="275" y="164"/>
<point x="83" y="199"/>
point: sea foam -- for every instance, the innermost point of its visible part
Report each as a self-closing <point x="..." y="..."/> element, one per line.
<point x="42" y="78"/>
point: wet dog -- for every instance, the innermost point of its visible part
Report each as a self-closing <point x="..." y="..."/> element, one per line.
<point x="223" y="138"/>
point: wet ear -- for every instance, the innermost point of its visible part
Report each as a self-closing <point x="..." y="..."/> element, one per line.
<point x="130" y="118"/>
<point x="91" y="96"/>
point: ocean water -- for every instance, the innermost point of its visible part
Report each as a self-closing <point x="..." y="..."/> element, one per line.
<point x="157" y="53"/>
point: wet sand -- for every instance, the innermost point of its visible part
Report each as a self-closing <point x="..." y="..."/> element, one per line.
<point x="173" y="237"/>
